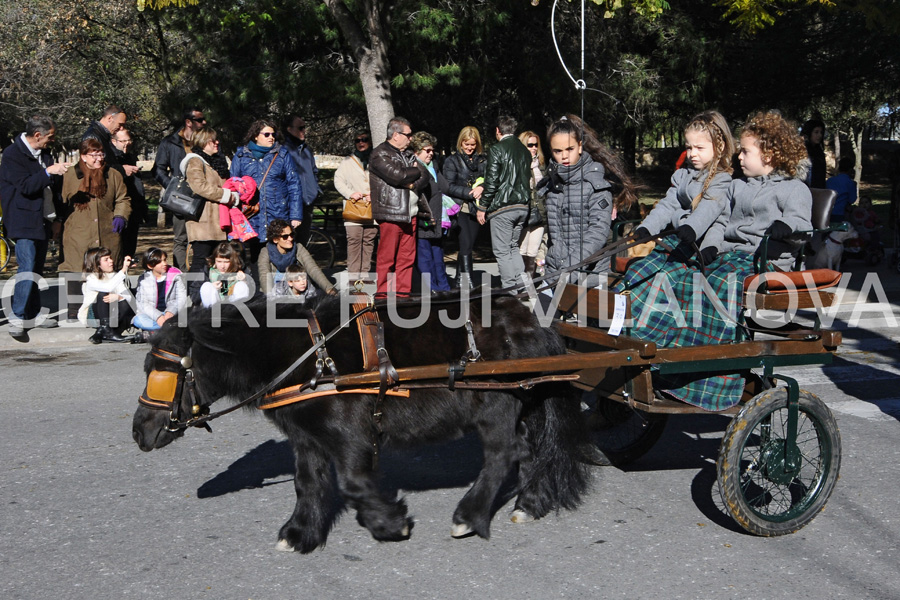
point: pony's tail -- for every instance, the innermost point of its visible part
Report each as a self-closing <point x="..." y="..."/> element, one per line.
<point x="555" y="476"/>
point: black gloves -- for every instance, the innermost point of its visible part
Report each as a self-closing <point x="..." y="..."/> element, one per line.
<point x="709" y="254"/>
<point x="686" y="234"/>
<point x="778" y="230"/>
<point x="641" y="233"/>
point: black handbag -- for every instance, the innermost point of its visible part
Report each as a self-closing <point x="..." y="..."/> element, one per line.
<point x="179" y="199"/>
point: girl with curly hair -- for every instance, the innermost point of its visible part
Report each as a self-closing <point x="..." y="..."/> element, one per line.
<point x="771" y="201"/>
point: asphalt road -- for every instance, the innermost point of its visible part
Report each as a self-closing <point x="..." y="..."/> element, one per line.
<point x="88" y="515"/>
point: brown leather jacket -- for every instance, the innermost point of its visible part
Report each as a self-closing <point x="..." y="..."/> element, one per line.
<point x="395" y="181"/>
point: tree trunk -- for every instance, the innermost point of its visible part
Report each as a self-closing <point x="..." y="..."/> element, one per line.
<point x="856" y="135"/>
<point x="370" y="50"/>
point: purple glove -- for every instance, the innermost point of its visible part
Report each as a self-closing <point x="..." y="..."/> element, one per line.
<point x="119" y="224"/>
<point x="454" y="209"/>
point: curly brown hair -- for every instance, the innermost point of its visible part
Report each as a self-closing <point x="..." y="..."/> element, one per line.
<point x="779" y="143"/>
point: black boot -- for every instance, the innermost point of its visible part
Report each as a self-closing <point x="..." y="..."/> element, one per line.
<point x="465" y="271"/>
<point x="529" y="265"/>
<point x="107" y="334"/>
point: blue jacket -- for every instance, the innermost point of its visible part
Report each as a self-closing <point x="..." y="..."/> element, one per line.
<point x="305" y="165"/>
<point x="22" y="183"/>
<point x="280" y="195"/>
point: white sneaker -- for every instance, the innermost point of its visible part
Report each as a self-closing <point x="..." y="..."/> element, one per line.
<point x="47" y="323"/>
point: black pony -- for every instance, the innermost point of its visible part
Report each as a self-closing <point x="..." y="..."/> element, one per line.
<point x="538" y="432"/>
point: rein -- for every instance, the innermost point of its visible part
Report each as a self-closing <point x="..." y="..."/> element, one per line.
<point x="184" y="378"/>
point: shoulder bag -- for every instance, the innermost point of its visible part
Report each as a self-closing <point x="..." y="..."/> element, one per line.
<point x="178" y="197"/>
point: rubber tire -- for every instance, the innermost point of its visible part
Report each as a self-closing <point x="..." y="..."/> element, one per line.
<point x="622" y="433"/>
<point x="815" y="419"/>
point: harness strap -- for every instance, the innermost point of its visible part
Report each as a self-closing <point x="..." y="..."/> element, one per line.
<point x="367" y="326"/>
<point x="299" y="393"/>
<point x="323" y="361"/>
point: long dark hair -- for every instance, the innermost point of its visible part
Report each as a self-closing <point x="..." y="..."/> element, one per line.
<point x="624" y="189"/>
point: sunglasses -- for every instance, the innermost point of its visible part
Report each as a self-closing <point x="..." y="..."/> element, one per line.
<point x="408" y="135"/>
<point x="361" y="140"/>
<point x="428" y="150"/>
<point x="286" y="236"/>
<point x="200" y="120"/>
<point x="267" y="134"/>
<point x="532" y="145"/>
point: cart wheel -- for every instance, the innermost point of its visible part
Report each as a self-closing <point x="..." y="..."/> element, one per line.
<point x="622" y="433"/>
<point x="764" y="494"/>
<point x="874" y="257"/>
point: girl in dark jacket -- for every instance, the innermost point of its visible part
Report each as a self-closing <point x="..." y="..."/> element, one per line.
<point x="464" y="172"/>
<point x="430" y="245"/>
<point x="586" y="185"/>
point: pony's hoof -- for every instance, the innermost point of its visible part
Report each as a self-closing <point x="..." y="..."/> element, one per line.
<point x="520" y="516"/>
<point x="460" y="530"/>
<point x="405" y="531"/>
<point x="283" y="546"/>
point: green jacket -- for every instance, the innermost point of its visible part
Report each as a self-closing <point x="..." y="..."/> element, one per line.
<point x="507" y="178"/>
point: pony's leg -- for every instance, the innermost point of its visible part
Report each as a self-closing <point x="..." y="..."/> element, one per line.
<point x="551" y="473"/>
<point x="386" y="519"/>
<point x="496" y="426"/>
<point x="314" y="514"/>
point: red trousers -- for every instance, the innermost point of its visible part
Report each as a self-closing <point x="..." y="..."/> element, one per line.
<point x="396" y="257"/>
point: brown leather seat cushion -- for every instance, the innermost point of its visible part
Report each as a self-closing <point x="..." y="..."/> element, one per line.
<point x="777" y="282"/>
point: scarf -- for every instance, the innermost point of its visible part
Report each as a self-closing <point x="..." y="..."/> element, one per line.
<point x="281" y="261"/>
<point x="217" y="161"/>
<point x="363" y="157"/>
<point x="93" y="183"/>
<point x="258" y="151"/>
<point x="470" y="160"/>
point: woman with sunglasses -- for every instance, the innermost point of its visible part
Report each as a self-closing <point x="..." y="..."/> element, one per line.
<point x="278" y="189"/>
<point x="281" y="253"/>
<point x="98" y="207"/>
<point x="533" y="232"/>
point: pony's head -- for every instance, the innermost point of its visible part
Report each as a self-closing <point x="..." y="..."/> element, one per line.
<point x="223" y="352"/>
<point x="165" y="396"/>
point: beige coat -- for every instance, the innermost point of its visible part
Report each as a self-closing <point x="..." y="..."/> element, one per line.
<point x="205" y="182"/>
<point x="350" y="178"/>
<point x="92" y="226"/>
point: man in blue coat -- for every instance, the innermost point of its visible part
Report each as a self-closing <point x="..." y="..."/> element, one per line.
<point x="27" y="200"/>
<point x="305" y="163"/>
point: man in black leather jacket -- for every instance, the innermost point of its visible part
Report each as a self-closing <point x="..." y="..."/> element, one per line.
<point x="395" y="181"/>
<point x="504" y="201"/>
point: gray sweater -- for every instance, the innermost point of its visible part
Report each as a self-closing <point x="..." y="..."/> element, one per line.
<point x="578" y="215"/>
<point x="758" y="202"/>
<point x="674" y="209"/>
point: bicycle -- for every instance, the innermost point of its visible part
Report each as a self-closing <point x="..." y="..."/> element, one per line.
<point x="6" y="246"/>
<point x="321" y="246"/>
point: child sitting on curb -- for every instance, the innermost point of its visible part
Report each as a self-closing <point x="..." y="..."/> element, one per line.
<point x="161" y="293"/>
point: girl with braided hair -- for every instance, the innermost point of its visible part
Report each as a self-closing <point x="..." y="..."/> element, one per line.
<point x="772" y="201"/>
<point x="698" y="196"/>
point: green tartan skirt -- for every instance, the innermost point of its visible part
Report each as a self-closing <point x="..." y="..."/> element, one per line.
<point x="676" y="304"/>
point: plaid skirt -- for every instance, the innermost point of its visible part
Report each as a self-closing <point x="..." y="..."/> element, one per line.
<point x="676" y="304"/>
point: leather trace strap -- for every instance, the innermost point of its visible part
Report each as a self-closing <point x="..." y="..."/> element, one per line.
<point x="323" y="361"/>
